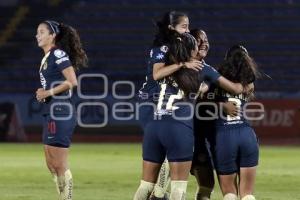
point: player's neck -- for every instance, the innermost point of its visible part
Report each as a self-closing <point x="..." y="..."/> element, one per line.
<point x="48" y="48"/>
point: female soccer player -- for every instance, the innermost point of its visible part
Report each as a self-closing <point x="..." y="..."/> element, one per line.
<point x="172" y="23"/>
<point x="63" y="54"/>
<point x="202" y="164"/>
<point x="235" y="149"/>
<point x="167" y="136"/>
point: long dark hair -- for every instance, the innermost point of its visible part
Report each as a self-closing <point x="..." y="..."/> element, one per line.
<point x="180" y="50"/>
<point x="67" y="38"/>
<point x="238" y="66"/>
<point x="164" y="33"/>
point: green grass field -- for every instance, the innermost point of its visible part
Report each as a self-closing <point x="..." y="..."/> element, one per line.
<point x="112" y="172"/>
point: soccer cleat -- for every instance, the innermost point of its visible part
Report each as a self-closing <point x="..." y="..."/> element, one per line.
<point x="65" y="184"/>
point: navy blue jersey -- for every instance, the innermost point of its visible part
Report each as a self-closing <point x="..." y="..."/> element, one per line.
<point x="210" y="75"/>
<point x="52" y="65"/>
<point x="227" y="121"/>
<point x="157" y="55"/>
<point x="165" y="95"/>
<point x="204" y="120"/>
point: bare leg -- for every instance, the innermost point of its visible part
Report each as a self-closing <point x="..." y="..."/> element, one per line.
<point x="228" y="184"/>
<point x="247" y="181"/>
<point x="149" y="177"/>
<point x="179" y="175"/>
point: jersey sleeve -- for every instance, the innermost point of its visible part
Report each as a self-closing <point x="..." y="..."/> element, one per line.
<point x="158" y="55"/>
<point x="61" y="59"/>
<point x="210" y="74"/>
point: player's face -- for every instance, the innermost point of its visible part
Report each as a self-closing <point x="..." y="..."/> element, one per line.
<point x="183" y="26"/>
<point x="203" y="45"/>
<point x="43" y="36"/>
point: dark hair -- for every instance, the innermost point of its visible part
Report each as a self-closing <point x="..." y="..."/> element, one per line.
<point x="196" y="32"/>
<point x="180" y="50"/>
<point x="238" y="66"/>
<point x="68" y="39"/>
<point x="164" y="33"/>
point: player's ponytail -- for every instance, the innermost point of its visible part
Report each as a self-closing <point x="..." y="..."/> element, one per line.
<point x="238" y="66"/>
<point x="68" y="40"/>
<point x="180" y="50"/>
<point x="164" y="33"/>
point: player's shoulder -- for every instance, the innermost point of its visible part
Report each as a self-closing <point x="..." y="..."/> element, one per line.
<point x="58" y="53"/>
<point x="154" y="51"/>
<point x="206" y="65"/>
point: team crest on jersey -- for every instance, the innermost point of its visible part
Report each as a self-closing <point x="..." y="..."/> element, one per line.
<point x="164" y="49"/>
<point x="59" y="53"/>
<point x="45" y="66"/>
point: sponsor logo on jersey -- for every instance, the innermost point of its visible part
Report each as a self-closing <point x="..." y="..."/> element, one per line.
<point x="43" y="81"/>
<point x="59" y="53"/>
<point x="61" y="60"/>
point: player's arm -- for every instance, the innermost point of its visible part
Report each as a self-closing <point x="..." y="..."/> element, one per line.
<point x="69" y="83"/>
<point x="160" y="70"/>
<point x="229" y="86"/>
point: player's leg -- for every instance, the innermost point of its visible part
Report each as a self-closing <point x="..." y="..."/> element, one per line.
<point x="57" y="138"/>
<point x="228" y="184"/>
<point x="153" y="157"/>
<point x="202" y="169"/>
<point x="149" y="177"/>
<point x="248" y="161"/>
<point x="179" y="176"/>
<point x="247" y="182"/>
<point x="163" y="181"/>
<point x="205" y="179"/>
<point x="180" y="147"/>
<point x="59" y="161"/>
<point x="51" y="168"/>
<point x="225" y="154"/>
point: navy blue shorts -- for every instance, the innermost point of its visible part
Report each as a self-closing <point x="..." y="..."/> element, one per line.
<point x="204" y="132"/>
<point x="235" y="148"/>
<point x="168" y="138"/>
<point x="58" y="133"/>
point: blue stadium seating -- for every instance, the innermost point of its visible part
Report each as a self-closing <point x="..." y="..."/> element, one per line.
<point x="117" y="36"/>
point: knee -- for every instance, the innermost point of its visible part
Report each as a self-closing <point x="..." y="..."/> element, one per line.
<point x="58" y="166"/>
<point x="230" y="196"/>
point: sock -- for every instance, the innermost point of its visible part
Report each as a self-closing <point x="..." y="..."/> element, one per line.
<point x="203" y="193"/>
<point x="248" y="197"/>
<point x="144" y="190"/>
<point x="54" y="178"/>
<point x="163" y="181"/>
<point x="178" y="190"/>
<point x="230" y="196"/>
<point x="65" y="184"/>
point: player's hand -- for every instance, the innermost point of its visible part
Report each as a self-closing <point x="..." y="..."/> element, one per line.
<point x="194" y="64"/>
<point x="248" y="89"/>
<point x="42" y="94"/>
<point x="231" y="109"/>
